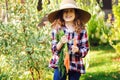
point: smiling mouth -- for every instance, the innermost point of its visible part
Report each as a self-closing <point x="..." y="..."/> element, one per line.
<point x="68" y="16"/>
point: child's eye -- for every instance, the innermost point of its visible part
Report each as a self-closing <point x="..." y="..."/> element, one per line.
<point x="65" y="11"/>
<point x="71" y="10"/>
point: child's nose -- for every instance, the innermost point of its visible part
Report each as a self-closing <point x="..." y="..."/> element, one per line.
<point x="69" y="11"/>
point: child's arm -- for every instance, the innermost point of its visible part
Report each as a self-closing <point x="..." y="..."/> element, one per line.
<point x="59" y="45"/>
<point x="54" y="42"/>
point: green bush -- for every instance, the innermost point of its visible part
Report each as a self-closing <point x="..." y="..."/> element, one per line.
<point x="24" y="49"/>
<point x="114" y="39"/>
<point x="98" y="32"/>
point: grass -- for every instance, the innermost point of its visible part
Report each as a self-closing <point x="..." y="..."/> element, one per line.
<point x="103" y="64"/>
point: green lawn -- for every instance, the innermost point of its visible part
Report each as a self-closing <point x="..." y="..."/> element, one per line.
<point x="103" y="64"/>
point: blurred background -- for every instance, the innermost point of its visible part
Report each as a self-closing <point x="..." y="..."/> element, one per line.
<point x="25" y="39"/>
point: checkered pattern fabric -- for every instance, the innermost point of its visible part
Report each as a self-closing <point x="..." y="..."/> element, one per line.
<point x="76" y="59"/>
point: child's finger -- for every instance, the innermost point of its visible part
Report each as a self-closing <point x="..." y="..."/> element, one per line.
<point x="64" y="39"/>
<point x="74" y="49"/>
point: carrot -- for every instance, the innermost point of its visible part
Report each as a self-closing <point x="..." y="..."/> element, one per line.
<point x="67" y="57"/>
<point x="67" y="61"/>
<point x="64" y="62"/>
<point x="75" y="42"/>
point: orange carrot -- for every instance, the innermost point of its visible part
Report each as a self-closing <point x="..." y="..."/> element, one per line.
<point x="67" y="61"/>
<point x="66" y="58"/>
<point x="75" y="42"/>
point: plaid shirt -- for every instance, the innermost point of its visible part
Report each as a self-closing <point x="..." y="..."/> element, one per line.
<point x="76" y="61"/>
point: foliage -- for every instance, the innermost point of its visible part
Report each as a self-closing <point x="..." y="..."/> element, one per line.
<point x="23" y="47"/>
<point x="23" y="50"/>
<point x="98" y="32"/>
<point x="114" y="39"/>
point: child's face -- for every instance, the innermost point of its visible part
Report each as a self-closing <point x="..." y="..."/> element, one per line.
<point x="68" y="15"/>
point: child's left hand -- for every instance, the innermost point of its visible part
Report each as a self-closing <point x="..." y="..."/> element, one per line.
<point x="75" y="49"/>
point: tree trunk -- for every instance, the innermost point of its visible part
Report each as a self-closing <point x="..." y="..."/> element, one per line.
<point x="5" y="13"/>
<point x="115" y="2"/>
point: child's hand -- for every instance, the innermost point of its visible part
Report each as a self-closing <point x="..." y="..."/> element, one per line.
<point x="75" y="49"/>
<point x="64" y="39"/>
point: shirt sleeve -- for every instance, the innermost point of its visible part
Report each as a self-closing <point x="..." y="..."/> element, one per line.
<point x="54" y="42"/>
<point x="83" y="45"/>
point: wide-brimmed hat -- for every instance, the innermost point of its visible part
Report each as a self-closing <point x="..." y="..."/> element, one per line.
<point x="66" y="4"/>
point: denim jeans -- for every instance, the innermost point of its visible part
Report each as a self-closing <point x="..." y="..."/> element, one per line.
<point x="72" y="75"/>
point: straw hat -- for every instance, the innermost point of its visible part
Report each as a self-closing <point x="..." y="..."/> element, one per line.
<point x="65" y="4"/>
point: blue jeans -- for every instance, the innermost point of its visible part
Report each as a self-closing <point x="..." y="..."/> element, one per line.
<point x="72" y="75"/>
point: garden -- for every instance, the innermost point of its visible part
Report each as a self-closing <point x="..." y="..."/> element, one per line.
<point x="25" y="40"/>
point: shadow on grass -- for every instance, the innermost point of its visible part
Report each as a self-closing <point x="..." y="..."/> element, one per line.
<point x="103" y="56"/>
<point x="103" y="47"/>
<point x="102" y="76"/>
<point x="98" y="63"/>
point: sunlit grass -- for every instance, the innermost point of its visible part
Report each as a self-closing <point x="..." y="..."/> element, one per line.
<point x="102" y="65"/>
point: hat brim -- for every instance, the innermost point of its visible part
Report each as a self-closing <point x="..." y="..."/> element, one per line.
<point x="84" y="15"/>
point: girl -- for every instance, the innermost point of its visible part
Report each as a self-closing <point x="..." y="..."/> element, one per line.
<point x="72" y="21"/>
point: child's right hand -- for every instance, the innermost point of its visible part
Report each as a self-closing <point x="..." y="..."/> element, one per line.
<point x="64" y="39"/>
